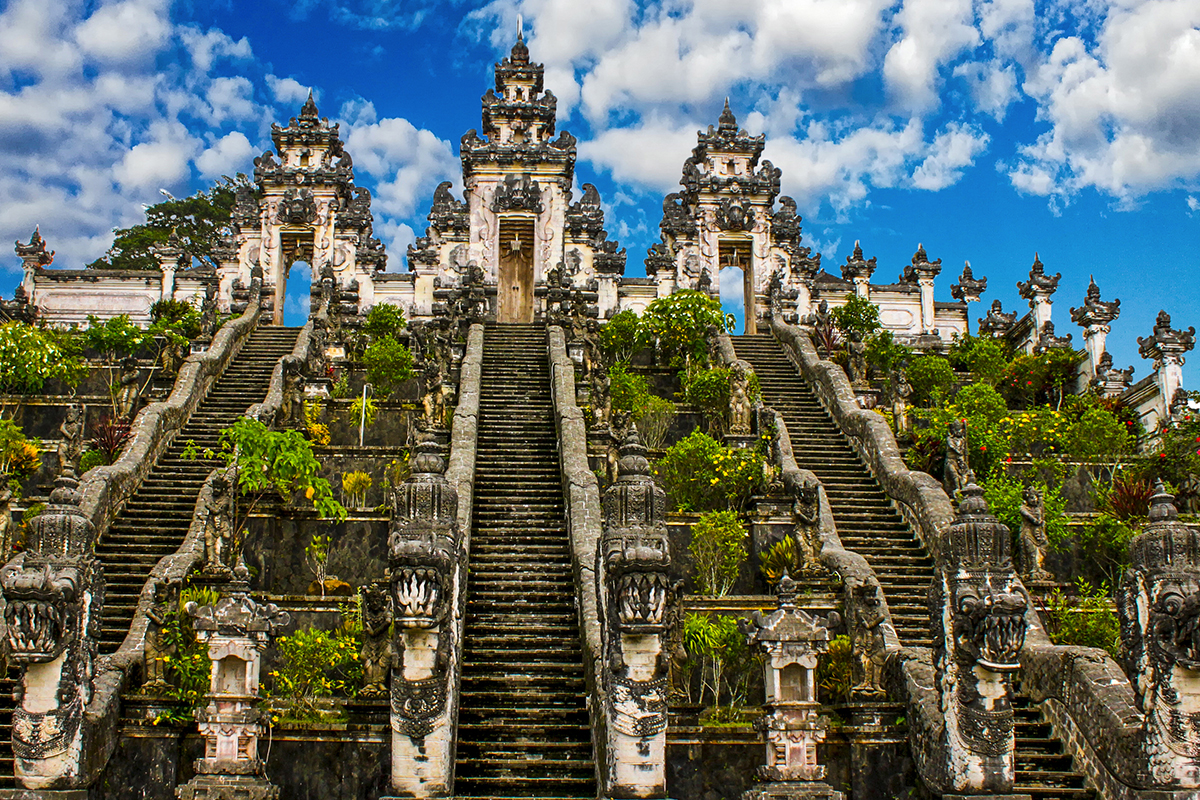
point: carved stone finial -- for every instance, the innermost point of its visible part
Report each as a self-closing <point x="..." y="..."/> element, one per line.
<point x="34" y="254"/>
<point x="1162" y="504"/>
<point x="727" y="121"/>
<point x="921" y="267"/>
<point x="309" y="110"/>
<point x="1165" y="341"/>
<point x="997" y="322"/>
<point x="1095" y="311"/>
<point x="856" y="267"/>
<point x="969" y="288"/>
<point x="1039" y="284"/>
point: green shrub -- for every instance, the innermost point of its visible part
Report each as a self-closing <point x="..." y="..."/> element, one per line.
<point x="931" y="378"/>
<point x="31" y="356"/>
<point x="835" y="671"/>
<point x="312" y="664"/>
<point x="679" y="323"/>
<point x="279" y="461"/>
<point x="718" y="550"/>
<point x="1031" y="379"/>
<point x="357" y="408"/>
<point x="627" y="390"/>
<point x="982" y="356"/>
<point x="1104" y="540"/>
<point x="708" y="391"/>
<point x="618" y="336"/>
<point x="884" y="354"/>
<point x="857" y="316"/>
<point x="980" y="402"/>
<point x="1087" y="620"/>
<point x="92" y="458"/>
<point x="700" y="474"/>
<point x="727" y="664"/>
<point x="383" y="320"/>
<point x="176" y="316"/>
<point x="779" y="558"/>
<point x="19" y="456"/>
<point x="654" y="418"/>
<point x="188" y="669"/>
<point x="389" y="364"/>
<point x="1098" y="433"/>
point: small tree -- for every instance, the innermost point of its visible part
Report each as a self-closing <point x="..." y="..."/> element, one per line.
<point x="931" y="378"/>
<point x="680" y="323"/>
<point x="618" y="337"/>
<point x="30" y="356"/>
<point x="718" y="549"/>
<point x="859" y="317"/>
<point x="384" y="320"/>
<point x="313" y="664"/>
<point x="389" y="364"/>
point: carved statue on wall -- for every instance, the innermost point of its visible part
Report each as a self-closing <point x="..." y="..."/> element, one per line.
<point x="158" y="647"/>
<point x="867" y="643"/>
<point x="6" y="520"/>
<point x="901" y="391"/>
<point x="129" y="395"/>
<point x="70" y="444"/>
<point x="208" y="312"/>
<point x="806" y="513"/>
<point x="601" y="398"/>
<point x="1033" y="535"/>
<point x="957" y="464"/>
<point x="676" y="654"/>
<point x="741" y="411"/>
<point x="856" y="359"/>
<point x="218" y="528"/>
<point x="291" y="407"/>
<point x="376" y="653"/>
<point x="433" y="395"/>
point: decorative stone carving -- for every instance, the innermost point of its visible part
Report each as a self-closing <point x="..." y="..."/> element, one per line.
<point x="298" y="207"/>
<point x="54" y="596"/>
<point x="601" y="398"/>
<point x="448" y="214"/>
<point x="157" y="647"/>
<point x="6" y="519"/>
<point x="1047" y="340"/>
<point x="237" y="630"/>
<point x="1094" y="317"/>
<point x="1038" y="290"/>
<point x="968" y="289"/>
<point x="866" y="623"/>
<point x="901" y="390"/>
<point x="376" y="653"/>
<point x="958" y="466"/>
<point x="291" y="408"/>
<point x="1110" y="381"/>
<point x="634" y="587"/>
<point x="859" y="270"/>
<point x="1159" y="607"/>
<point x="806" y="517"/>
<point x="790" y="641"/>
<point x="33" y="255"/>
<point x="219" y="555"/>
<point x="922" y="271"/>
<point x="518" y="194"/>
<point x="425" y="559"/>
<point x="1033" y="535"/>
<point x="129" y="395"/>
<point x="1165" y="347"/>
<point x="741" y="410"/>
<point x="70" y="443"/>
<point x="997" y="323"/>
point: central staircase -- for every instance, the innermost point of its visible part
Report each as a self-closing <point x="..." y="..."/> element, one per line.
<point x="869" y="525"/>
<point x="156" y="518"/>
<point x="523" y="723"/>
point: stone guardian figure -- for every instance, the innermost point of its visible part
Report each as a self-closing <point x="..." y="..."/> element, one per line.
<point x="957" y="465"/>
<point x="70" y="445"/>
<point x="1033" y="535"/>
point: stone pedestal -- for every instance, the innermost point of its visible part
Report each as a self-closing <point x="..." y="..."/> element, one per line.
<point x="790" y="790"/>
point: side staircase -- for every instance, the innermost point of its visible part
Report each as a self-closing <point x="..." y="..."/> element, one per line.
<point x="867" y="522"/>
<point x="156" y="518"/>
<point x="869" y="525"/>
<point x="522" y="724"/>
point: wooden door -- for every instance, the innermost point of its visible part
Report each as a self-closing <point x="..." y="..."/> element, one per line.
<point x="515" y="289"/>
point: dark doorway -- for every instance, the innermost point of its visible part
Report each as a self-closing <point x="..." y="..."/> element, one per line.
<point x="516" y="270"/>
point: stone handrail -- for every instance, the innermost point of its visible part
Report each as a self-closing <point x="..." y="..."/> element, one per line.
<point x="919" y="496"/>
<point x="460" y="473"/>
<point x="105" y="489"/>
<point x="582" y="499"/>
<point x="114" y="673"/>
<point x="852" y="568"/>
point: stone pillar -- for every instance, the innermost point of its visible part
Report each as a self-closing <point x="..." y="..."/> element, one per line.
<point x="54" y="594"/>
<point x="427" y="563"/>
<point x="1159" y="603"/>
<point x="1094" y="317"/>
<point x="790" y="641"/>
<point x="33" y="257"/>
<point x="632" y="583"/>
<point x="169" y="255"/>
<point x="236" y="630"/>
<point x="922" y="271"/>
<point x="1166" y="346"/>
<point x="968" y="289"/>
<point x="1038" y="290"/>
<point x="858" y="270"/>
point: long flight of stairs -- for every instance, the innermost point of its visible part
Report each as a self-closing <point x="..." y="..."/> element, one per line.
<point x="156" y="518"/>
<point x="866" y="521"/>
<point x="523" y="724"/>
<point x="868" y="525"/>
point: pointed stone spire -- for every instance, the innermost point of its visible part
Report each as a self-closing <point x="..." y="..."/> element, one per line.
<point x="969" y="288"/>
<point x="520" y="51"/>
<point x="309" y="111"/>
<point x="728" y="122"/>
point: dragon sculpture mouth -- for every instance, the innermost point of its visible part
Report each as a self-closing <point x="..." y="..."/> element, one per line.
<point x="641" y="600"/>
<point x="417" y="592"/>
<point x="1175" y="625"/>
<point x="990" y="628"/>
<point x="40" y="602"/>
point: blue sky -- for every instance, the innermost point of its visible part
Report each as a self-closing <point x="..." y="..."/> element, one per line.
<point x="984" y="129"/>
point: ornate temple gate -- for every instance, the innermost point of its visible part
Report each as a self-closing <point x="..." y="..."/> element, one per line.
<point x="515" y="284"/>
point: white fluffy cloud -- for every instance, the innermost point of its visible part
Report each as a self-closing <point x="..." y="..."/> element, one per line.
<point x="287" y="91"/>
<point x="1124" y="114"/>
<point x="952" y="151"/>
<point x="405" y="161"/>
<point x="228" y="155"/>
<point x="648" y="155"/>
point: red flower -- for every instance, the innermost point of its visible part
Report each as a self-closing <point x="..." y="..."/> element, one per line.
<point x="1162" y="455"/>
<point x="983" y="447"/>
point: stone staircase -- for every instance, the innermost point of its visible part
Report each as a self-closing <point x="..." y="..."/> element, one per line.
<point x="156" y="518"/>
<point x="8" y="684"/>
<point x="522" y="724"/>
<point x="866" y="521"/>
<point x="1044" y="770"/>
<point x="868" y="525"/>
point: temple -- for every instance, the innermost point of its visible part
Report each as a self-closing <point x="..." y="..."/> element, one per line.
<point x="455" y="537"/>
